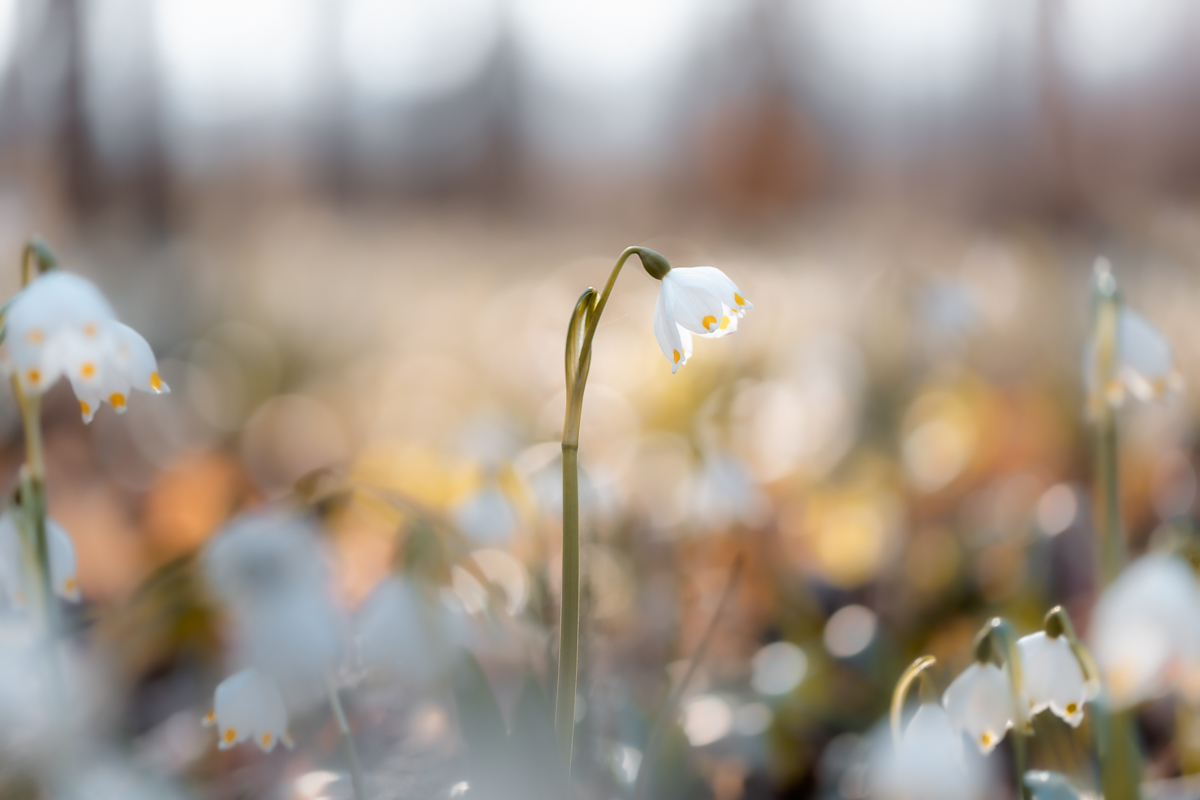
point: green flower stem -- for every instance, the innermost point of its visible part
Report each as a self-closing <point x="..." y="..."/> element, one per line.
<point x="33" y="504"/>
<point x="1111" y="546"/>
<point x="1118" y="752"/>
<point x="578" y="362"/>
<point x="900" y="693"/>
<point x="356" y="773"/>
<point x="1003" y="638"/>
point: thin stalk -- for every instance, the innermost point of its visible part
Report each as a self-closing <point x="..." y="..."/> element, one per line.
<point x="1118" y="752"/>
<point x="578" y="362"/>
<point x="33" y="500"/>
<point x="900" y="693"/>
<point x="1004" y="640"/>
<point x="568" y="628"/>
<point x="668" y="709"/>
<point x="356" y="774"/>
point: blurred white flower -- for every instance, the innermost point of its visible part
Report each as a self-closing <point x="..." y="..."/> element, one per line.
<point x="408" y="636"/>
<point x="723" y="493"/>
<point x="928" y="764"/>
<point x="1052" y="677"/>
<point x="15" y="565"/>
<point x="248" y="705"/>
<point x="111" y="779"/>
<point x="59" y="325"/>
<point x="24" y="694"/>
<point x="487" y="516"/>
<point x="1145" y="631"/>
<point x="699" y="300"/>
<point x="270" y="569"/>
<point x="980" y="702"/>
<point x="1145" y="365"/>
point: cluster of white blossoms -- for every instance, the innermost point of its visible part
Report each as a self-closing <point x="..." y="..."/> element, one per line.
<point x="695" y="300"/>
<point x="61" y="325"/>
<point x="1145" y="631"/>
<point x="269" y="569"/>
<point x="981" y="701"/>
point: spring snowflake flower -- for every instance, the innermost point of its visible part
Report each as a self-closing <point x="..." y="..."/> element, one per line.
<point x="980" y="702"/>
<point x="13" y="569"/>
<point x="407" y="636"/>
<point x="927" y="765"/>
<point x="1145" y="631"/>
<point x="1053" y="677"/>
<point x="60" y="325"/>
<point x="695" y="300"/>
<point x="248" y="705"/>
<point x="1145" y="364"/>
<point x="270" y="570"/>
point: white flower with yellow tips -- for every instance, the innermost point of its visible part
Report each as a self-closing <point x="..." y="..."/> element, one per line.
<point x="248" y="706"/>
<point x="1144" y="366"/>
<point x="980" y="702"/>
<point x="15" y="563"/>
<point x="695" y="300"/>
<point x="1145" y="631"/>
<point x="1053" y="677"/>
<point x="61" y="325"/>
<point x="927" y="764"/>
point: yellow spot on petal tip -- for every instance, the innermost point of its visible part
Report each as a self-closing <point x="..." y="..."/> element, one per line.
<point x="229" y="735"/>
<point x="724" y="322"/>
<point x="676" y="356"/>
<point x="85" y="408"/>
<point x="156" y="382"/>
<point x="267" y="740"/>
<point x="34" y="376"/>
<point x="88" y="370"/>
<point x="35" y="336"/>
<point x="90" y="329"/>
<point x="986" y="739"/>
<point x="210" y="717"/>
<point x="70" y="585"/>
<point x="708" y="321"/>
<point x="1072" y="708"/>
<point x="118" y="400"/>
<point x="737" y="298"/>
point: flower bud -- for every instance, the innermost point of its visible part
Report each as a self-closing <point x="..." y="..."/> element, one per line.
<point x="655" y="263"/>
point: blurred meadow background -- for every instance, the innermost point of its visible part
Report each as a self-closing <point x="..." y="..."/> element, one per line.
<point x="353" y="232"/>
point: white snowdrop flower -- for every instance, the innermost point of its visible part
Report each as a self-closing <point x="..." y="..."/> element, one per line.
<point x="927" y="765"/>
<point x="248" y="705"/>
<point x="60" y="325"/>
<point x="15" y="565"/>
<point x="695" y="300"/>
<point x="1145" y="364"/>
<point x="408" y="636"/>
<point x="1145" y="630"/>
<point x="1052" y="676"/>
<point x="980" y="702"/>
<point x="487" y="516"/>
<point x="25" y="696"/>
<point x="270" y="569"/>
<point x="265" y="554"/>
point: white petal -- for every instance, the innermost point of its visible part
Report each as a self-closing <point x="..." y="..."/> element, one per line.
<point x="980" y="702"/>
<point x="695" y="308"/>
<point x="1053" y="677"/>
<point x="62" y="562"/>
<point x="404" y="635"/>
<point x="1146" y="364"/>
<point x="716" y="283"/>
<point x="134" y="360"/>
<point x="249" y="705"/>
<point x="665" y="329"/>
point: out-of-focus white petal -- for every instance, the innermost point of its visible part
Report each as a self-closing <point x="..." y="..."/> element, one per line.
<point x="248" y="705"/>
<point x="927" y="765"/>
<point x="980" y="702"/>
<point x="1145" y="364"/>
<point x="62" y="562"/>
<point x="406" y="635"/>
<point x="487" y="516"/>
<point x="15" y="562"/>
<point x="1145" y="630"/>
<point x="1052" y="676"/>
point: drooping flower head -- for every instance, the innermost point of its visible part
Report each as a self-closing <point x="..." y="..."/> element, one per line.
<point x="248" y="706"/>
<point x="1145" y="631"/>
<point x="15" y="565"/>
<point x="927" y="764"/>
<point x="408" y="636"/>
<point x="61" y="325"/>
<point x="980" y="702"/>
<point x="1053" y="677"/>
<point x="695" y="300"/>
